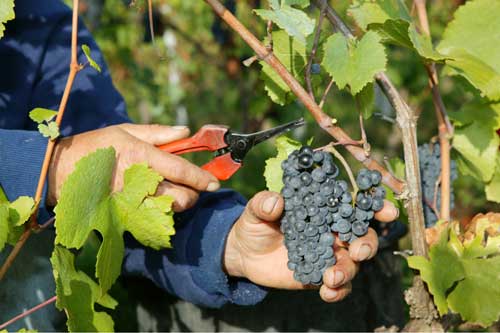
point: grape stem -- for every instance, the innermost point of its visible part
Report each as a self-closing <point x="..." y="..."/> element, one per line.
<point x="325" y="94"/>
<point x="32" y="225"/>
<point x="445" y="129"/>
<point x="331" y="149"/>
<point x="314" y="49"/>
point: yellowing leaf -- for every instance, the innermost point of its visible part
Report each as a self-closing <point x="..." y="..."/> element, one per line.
<point x="4" y="225"/>
<point x="20" y="210"/>
<point x="41" y="115"/>
<point x="272" y="172"/>
<point x="51" y="130"/>
<point x="461" y="278"/>
<point x="354" y="63"/>
<point x="6" y="14"/>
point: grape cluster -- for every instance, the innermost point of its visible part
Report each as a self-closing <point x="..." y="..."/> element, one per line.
<point x="317" y="203"/>
<point x="369" y="200"/>
<point x="430" y="169"/>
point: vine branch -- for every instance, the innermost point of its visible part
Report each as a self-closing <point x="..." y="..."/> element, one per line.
<point x="321" y="118"/>
<point x="74" y="68"/>
<point x="28" y="312"/>
<point x="445" y="129"/>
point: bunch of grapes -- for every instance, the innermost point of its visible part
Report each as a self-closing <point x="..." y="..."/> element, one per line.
<point x="430" y="169"/>
<point x="317" y="203"/>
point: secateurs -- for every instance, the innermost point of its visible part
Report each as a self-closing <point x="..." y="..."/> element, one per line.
<point x="230" y="147"/>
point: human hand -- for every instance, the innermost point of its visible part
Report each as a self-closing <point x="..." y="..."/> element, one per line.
<point x="134" y="144"/>
<point x="255" y="249"/>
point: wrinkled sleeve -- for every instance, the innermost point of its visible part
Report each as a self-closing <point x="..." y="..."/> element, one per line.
<point x="192" y="269"/>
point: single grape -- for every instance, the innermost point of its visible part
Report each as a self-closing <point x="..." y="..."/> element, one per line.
<point x="318" y="175"/>
<point x="315" y="69"/>
<point x="305" y="161"/>
<point x="305" y="178"/>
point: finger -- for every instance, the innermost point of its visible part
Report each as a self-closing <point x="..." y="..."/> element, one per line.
<point x="388" y="213"/>
<point x="334" y="295"/>
<point x="365" y="247"/>
<point x="342" y="272"/>
<point x="185" y="197"/>
<point x="156" y="134"/>
<point x="178" y="170"/>
<point x="264" y="206"/>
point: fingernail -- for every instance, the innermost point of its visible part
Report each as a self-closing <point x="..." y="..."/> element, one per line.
<point x="330" y="293"/>
<point x="179" y="128"/>
<point x="338" y="277"/>
<point x="269" y="204"/>
<point x="213" y="186"/>
<point x="397" y="213"/>
<point x="364" y="252"/>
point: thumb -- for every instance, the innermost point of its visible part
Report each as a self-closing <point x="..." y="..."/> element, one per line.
<point x="265" y="206"/>
<point x="156" y="134"/>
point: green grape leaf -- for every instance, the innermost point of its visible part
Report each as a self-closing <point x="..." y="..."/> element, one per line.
<point x="51" y="130"/>
<point x="423" y="45"/>
<point x="12" y="216"/>
<point x="3" y="196"/>
<point x="365" y="100"/>
<point x="392" y="21"/>
<point x="87" y="193"/>
<point x="20" y="210"/>
<point x="93" y="64"/>
<point x="84" y="197"/>
<point x="109" y="257"/>
<point x="487" y="114"/>
<point x="6" y="14"/>
<point x="41" y="115"/>
<point x="469" y="284"/>
<point x="77" y="293"/>
<point x="298" y="3"/>
<point x="294" y="21"/>
<point x="4" y="225"/>
<point x="492" y="189"/>
<point x="367" y="12"/>
<point x="292" y="55"/>
<point x="478" y="146"/>
<point x="272" y="172"/>
<point x="354" y="63"/>
<point x="468" y="38"/>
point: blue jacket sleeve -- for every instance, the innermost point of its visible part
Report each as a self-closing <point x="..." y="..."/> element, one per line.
<point x="21" y="153"/>
<point x="192" y="269"/>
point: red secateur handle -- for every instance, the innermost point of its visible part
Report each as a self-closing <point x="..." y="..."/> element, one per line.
<point x="208" y="138"/>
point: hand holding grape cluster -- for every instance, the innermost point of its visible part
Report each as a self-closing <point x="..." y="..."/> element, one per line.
<point x="317" y="204"/>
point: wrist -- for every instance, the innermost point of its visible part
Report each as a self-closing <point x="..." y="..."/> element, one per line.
<point x="232" y="263"/>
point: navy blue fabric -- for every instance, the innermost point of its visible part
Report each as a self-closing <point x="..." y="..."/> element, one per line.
<point x="34" y="63"/>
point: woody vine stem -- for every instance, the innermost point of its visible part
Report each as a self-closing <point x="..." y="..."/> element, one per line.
<point x="74" y="68"/>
